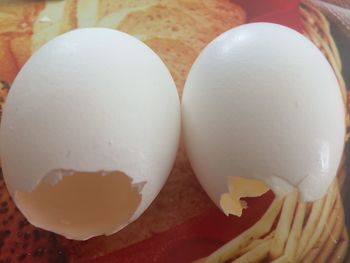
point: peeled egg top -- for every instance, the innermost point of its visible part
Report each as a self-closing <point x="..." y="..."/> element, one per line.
<point x="262" y="102"/>
<point x="89" y="132"/>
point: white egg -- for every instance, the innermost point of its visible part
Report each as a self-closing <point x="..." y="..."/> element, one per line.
<point x="262" y="102"/>
<point x="89" y="132"/>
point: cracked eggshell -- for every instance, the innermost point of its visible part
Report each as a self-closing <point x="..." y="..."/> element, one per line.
<point x="91" y="100"/>
<point x="262" y="102"/>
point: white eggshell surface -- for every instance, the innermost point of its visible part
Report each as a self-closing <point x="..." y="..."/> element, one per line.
<point x="91" y="100"/>
<point x="262" y="102"/>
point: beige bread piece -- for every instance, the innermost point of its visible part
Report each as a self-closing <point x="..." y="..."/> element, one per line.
<point x="171" y="51"/>
<point x="193" y="22"/>
<point x="111" y="13"/>
<point x="164" y="22"/>
<point x="107" y="7"/>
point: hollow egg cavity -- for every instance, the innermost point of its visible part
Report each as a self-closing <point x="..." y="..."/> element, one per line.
<point x="80" y="204"/>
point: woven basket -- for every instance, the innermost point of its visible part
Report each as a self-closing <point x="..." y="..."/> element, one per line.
<point x="317" y="29"/>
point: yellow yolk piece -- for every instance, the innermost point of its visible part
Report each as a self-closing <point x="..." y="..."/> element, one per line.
<point x="240" y="187"/>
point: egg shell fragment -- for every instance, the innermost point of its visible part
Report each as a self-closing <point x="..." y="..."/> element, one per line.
<point x="262" y="102"/>
<point x="91" y="101"/>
